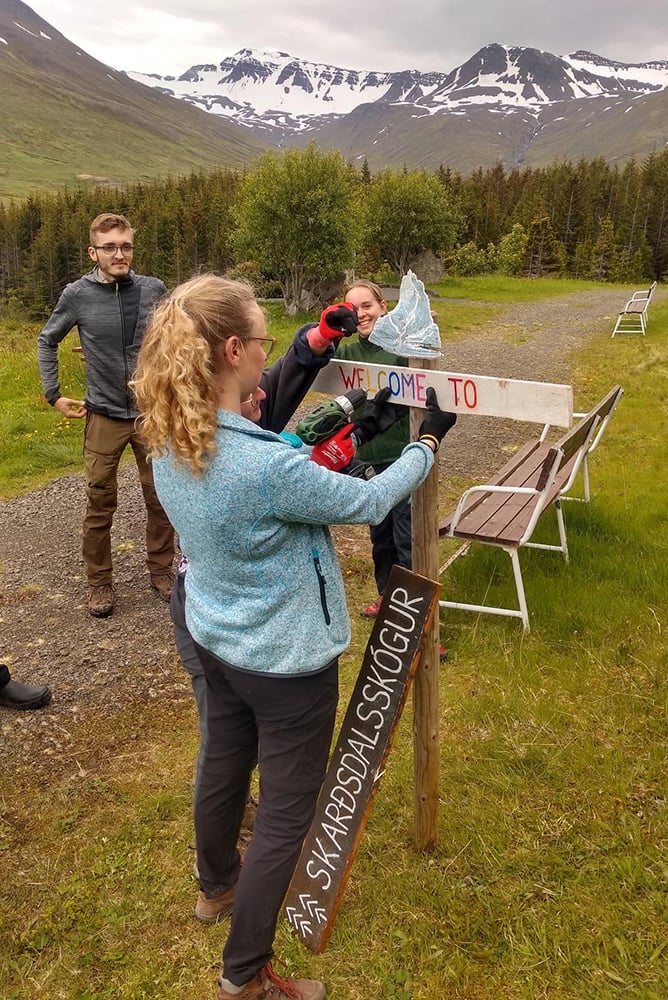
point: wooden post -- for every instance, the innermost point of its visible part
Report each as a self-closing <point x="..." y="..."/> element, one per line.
<point x="425" y="686"/>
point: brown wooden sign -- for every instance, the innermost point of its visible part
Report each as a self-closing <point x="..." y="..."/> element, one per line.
<point x="356" y="768"/>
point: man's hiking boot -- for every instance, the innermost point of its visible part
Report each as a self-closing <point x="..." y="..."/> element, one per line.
<point x="372" y="610"/>
<point x="211" y="910"/>
<point x="266" y="985"/>
<point x="163" y="584"/>
<point x="101" y="600"/>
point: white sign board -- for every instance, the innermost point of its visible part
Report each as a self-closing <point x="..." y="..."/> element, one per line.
<point x="484" y="395"/>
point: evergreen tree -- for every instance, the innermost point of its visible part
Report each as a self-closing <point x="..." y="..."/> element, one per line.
<point x="544" y="254"/>
<point x="606" y="254"/>
<point x="655" y="187"/>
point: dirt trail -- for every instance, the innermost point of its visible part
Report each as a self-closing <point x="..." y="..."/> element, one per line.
<point x="46" y="635"/>
<point x="533" y="341"/>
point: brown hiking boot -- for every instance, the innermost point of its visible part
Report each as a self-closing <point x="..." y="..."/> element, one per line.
<point x="209" y="910"/>
<point x="266" y="985"/>
<point x="101" y="600"/>
<point x="163" y="584"/>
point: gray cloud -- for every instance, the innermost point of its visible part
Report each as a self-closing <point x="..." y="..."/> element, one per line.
<point x="379" y="34"/>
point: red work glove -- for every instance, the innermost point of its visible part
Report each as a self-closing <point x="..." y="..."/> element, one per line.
<point x="338" y="321"/>
<point x="337" y="451"/>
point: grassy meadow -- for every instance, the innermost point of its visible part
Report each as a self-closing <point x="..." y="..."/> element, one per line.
<point x="550" y="879"/>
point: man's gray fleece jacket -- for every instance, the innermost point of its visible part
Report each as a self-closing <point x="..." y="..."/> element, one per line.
<point x="112" y="318"/>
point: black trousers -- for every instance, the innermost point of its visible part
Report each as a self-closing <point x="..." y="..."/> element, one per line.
<point x="286" y="723"/>
<point x="391" y="540"/>
<point x="185" y="645"/>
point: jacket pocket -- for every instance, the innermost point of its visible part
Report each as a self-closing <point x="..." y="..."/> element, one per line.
<point x="322" y="584"/>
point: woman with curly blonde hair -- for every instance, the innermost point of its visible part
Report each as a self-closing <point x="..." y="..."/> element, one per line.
<point x="174" y="383"/>
<point x="282" y="388"/>
<point x="265" y="600"/>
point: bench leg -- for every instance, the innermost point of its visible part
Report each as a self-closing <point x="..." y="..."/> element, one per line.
<point x="562" y="529"/>
<point x="586" y="491"/>
<point x="519" y="584"/>
<point x="488" y="609"/>
<point x="585" y="479"/>
<point x="563" y="542"/>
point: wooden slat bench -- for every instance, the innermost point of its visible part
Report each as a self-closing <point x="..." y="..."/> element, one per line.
<point x="633" y="317"/>
<point x="505" y="511"/>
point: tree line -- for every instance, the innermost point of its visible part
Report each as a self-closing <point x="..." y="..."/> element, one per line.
<point x="295" y="221"/>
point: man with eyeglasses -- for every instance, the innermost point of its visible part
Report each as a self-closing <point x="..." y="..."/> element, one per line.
<point x="110" y="306"/>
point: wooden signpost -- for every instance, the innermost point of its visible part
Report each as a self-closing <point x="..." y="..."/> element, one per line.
<point x="357" y="764"/>
<point x="484" y="395"/>
<point x="426" y="714"/>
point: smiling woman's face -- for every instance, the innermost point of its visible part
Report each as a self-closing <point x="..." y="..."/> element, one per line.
<point x="368" y="308"/>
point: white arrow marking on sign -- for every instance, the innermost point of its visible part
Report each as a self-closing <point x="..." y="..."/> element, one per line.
<point x="313" y="906"/>
<point x="483" y="395"/>
<point x="295" y="918"/>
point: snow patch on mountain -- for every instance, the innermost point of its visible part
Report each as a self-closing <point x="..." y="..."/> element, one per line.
<point x="275" y="90"/>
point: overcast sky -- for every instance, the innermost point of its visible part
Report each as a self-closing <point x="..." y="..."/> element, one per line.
<point x="169" y="36"/>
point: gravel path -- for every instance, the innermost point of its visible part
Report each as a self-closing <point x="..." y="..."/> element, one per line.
<point x="531" y="341"/>
<point x="46" y="635"/>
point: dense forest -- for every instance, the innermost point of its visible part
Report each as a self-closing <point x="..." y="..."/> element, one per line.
<point x="587" y="219"/>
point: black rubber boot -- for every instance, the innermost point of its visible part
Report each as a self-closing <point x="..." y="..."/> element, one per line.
<point x="22" y="696"/>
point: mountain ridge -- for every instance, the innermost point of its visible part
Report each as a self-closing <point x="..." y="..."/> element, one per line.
<point x="258" y="87"/>
<point x="68" y="118"/>
<point x="509" y="104"/>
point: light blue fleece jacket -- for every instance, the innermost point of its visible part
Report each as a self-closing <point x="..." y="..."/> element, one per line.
<point x="264" y="589"/>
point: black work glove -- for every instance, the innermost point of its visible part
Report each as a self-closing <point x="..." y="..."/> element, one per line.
<point x="437" y="422"/>
<point x="337" y="321"/>
<point x="378" y="416"/>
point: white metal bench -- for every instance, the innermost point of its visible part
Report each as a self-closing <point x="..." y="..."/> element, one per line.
<point x="505" y="511"/>
<point x="633" y="317"/>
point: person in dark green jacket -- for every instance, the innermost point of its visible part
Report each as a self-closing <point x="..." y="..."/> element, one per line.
<point x="391" y="539"/>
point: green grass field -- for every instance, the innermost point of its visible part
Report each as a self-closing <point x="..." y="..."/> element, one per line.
<point x="550" y="879"/>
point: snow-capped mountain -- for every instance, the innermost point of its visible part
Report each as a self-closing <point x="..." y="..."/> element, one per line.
<point x="274" y="90"/>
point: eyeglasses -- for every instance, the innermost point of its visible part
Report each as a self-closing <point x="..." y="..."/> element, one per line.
<point x="111" y="249"/>
<point x="271" y="341"/>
